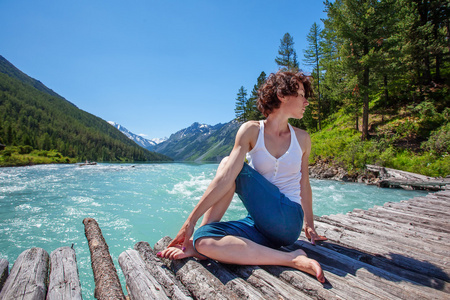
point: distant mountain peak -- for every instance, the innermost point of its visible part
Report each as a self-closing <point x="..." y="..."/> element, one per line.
<point x="138" y="139"/>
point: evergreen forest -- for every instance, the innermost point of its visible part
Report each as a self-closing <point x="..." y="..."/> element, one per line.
<point x="39" y="126"/>
<point x="381" y="77"/>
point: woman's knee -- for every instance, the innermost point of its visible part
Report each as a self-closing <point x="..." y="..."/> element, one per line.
<point x="205" y="245"/>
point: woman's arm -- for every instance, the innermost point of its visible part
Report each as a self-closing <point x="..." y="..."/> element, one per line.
<point x="306" y="193"/>
<point x="221" y="184"/>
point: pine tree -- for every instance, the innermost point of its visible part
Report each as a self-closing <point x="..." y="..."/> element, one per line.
<point x="358" y="24"/>
<point x="253" y="112"/>
<point x="313" y="55"/>
<point x="241" y="109"/>
<point x="287" y="59"/>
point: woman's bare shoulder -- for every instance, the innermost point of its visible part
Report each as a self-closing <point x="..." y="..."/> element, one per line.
<point x="303" y="137"/>
<point x="300" y="133"/>
<point x="249" y="127"/>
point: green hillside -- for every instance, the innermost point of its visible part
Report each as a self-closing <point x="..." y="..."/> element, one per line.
<point x="35" y="116"/>
<point x="381" y="80"/>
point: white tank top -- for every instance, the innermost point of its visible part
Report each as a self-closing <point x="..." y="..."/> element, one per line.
<point x="284" y="172"/>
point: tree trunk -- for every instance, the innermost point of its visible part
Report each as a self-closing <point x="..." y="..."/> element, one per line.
<point x="365" y="125"/>
<point x="107" y="284"/>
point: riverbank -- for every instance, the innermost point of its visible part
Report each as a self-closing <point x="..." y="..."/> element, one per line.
<point x="380" y="176"/>
<point x="19" y="156"/>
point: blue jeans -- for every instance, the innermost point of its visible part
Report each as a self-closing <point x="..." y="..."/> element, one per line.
<point x="273" y="220"/>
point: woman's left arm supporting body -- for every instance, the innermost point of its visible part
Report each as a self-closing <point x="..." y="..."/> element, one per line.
<point x="305" y="188"/>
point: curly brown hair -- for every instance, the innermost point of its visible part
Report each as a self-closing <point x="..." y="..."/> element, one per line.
<point x="282" y="83"/>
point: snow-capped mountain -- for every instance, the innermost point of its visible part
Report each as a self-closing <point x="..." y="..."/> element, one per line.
<point x="200" y="142"/>
<point x="143" y="142"/>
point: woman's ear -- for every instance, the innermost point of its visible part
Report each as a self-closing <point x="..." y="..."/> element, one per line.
<point x="281" y="97"/>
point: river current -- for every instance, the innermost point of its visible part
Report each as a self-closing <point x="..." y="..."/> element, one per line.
<point x="44" y="206"/>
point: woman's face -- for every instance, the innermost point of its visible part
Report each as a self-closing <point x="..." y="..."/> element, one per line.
<point x="296" y="105"/>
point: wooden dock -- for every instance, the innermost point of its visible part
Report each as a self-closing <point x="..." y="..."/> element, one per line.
<point x="396" y="251"/>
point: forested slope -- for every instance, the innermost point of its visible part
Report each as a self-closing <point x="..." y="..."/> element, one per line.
<point x="33" y="115"/>
<point x="381" y="78"/>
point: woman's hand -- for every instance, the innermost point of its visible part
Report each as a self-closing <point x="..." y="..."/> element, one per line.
<point x="183" y="236"/>
<point x="312" y="235"/>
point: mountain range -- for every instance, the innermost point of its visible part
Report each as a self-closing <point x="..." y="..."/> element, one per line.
<point x="198" y="142"/>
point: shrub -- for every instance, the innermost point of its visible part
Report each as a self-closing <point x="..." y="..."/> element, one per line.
<point x="439" y="141"/>
<point x="25" y="149"/>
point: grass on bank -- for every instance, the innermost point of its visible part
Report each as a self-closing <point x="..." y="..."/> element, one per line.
<point x="13" y="156"/>
<point x="403" y="141"/>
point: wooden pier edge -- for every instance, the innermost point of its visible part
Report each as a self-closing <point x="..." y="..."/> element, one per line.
<point x="395" y="251"/>
<point x="367" y="256"/>
<point x="392" y="178"/>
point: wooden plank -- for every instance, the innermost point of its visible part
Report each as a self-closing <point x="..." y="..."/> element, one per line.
<point x="371" y="278"/>
<point x="438" y="223"/>
<point x="28" y="277"/>
<point x="171" y="285"/>
<point x="4" y="271"/>
<point x="406" y="229"/>
<point x="252" y="283"/>
<point x="421" y="211"/>
<point x="199" y="281"/>
<point x="271" y="287"/>
<point x="397" y="178"/>
<point x="64" y="281"/>
<point x="403" y="218"/>
<point x="107" y="284"/>
<point x="402" y="256"/>
<point x="140" y="283"/>
<point x="387" y="266"/>
<point x="414" y="242"/>
<point x="339" y="285"/>
<point x="429" y="202"/>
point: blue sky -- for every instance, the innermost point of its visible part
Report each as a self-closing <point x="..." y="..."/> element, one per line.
<point x="154" y="67"/>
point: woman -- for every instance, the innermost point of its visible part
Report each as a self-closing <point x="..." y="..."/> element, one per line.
<point x="274" y="187"/>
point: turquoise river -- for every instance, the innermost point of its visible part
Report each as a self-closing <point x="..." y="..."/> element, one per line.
<point x="44" y="206"/>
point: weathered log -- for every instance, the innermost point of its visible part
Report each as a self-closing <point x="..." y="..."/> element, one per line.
<point x="171" y="285"/>
<point x="429" y="202"/>
<point x="270" y="286"/>
<point x="140" y="283"/>
<point x="417" y="243"/>
<point x="107" y="284"/>
<point x="403" y="218"/>
<point x="402" y="256"/>
<point x="28" y="277"/>
<point x="4" y="271"/>
<point x="421" y="211"/>
<point x="336" y="287"/>
<point x="64" y="279"/>
<point x="405" y="229"/>
<point x="397" y="178"/>
<point x="368" y="277"/>
<point x="204" y="284"/>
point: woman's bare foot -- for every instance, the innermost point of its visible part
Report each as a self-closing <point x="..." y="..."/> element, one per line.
<point x="176" y="252"/>
<point x="308" y="265"/>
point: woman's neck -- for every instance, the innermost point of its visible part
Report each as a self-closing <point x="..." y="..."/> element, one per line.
<point x="276" y="124"/>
